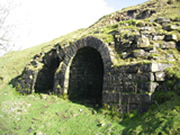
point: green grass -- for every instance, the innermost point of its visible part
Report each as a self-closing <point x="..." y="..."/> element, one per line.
<point x="48" y="114"/>
<point x="162" y="120"/>
<point x="51" y="115"/>
<point x="11" y="64"/>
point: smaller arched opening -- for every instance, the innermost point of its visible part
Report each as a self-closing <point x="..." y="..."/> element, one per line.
<point x="45" y="78"/>
<point x="86" y="76"/>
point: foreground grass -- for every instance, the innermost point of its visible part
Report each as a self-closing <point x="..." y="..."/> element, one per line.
<point x="46" y="114"/>
<point x="50" y="115"/>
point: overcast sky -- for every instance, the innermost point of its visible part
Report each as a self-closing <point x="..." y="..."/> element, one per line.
<point x="39" y="21"/>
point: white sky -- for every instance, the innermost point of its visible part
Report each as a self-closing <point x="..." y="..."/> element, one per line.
<point x="39" y="21"/>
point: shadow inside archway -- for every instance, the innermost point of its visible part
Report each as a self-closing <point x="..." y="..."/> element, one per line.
<point x="86" y="77"/>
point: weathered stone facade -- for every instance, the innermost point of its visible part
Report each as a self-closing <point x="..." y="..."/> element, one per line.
<point x="131" y="87"/>
<point x="85" y="70"/>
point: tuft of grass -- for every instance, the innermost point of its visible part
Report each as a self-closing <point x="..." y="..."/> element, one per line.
<point x="162" y="119"/>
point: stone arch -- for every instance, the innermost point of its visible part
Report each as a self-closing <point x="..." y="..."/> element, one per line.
<point x="45" y="77"/>
<point x="70" y="52"/>
<point x="86" y="76"/>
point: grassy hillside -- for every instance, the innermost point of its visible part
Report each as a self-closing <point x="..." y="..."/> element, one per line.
<point x="41" y="114"/>
<point x="50" y="115"/>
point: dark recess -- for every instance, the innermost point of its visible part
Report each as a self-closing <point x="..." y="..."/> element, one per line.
<point x="45" y="78"/>
<point x="86" y="76"/>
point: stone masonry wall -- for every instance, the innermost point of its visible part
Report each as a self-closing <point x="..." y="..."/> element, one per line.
<point x="131" y="87"/>
<point x="127" y="87"/>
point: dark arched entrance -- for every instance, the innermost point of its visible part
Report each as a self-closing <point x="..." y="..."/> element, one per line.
<point x="86" y="76"/>
<point x="45" y="78"/>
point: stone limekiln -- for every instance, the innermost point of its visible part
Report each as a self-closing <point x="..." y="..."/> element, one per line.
<point x="85" y="71"/>
<point x="88" y="69"/>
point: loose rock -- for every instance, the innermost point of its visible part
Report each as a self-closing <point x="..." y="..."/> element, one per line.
<point x="139" y="53"/>
<point x="158" y="37"/>
<point x="125" y="55"/>
<point x="171" y="37"/>
<point x="170" y="27"/>
<point x="142" y="42"/>
<point x="162" y="20"/>
<point x="168" y="45"/>
<point x="146" y="28"/>
<point x="160" y="76"/>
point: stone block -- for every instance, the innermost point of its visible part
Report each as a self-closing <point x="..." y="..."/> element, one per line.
<point x="127" y="108"/>
<point x="171" y="37"/>
<point x="145" y="68"/>
<point x="142" y="42"/>
<point x="154" y="67"/>
<point x="153" y="86"/>
<point x="146" y="28"/>
<point x="162" y="20"/>
<point x="110" y="97"/>
<point x="138" y="77"/>
<point x="151" y="67"/>
<point x="170" y="57"/>
<point x="138" y="53"/>
<point x="147" y="86"/>
<point x="158" y="37"/>
<point x="126" y="69"/>
<point x="135" y="98"/>
<point x="170" y="27"/>
<point x="143" y="77"/>
<point x="168" y="45"/>
<point x="160" y="76"/>
<point x="130" y="87"/>
<point x="125" y="55"/>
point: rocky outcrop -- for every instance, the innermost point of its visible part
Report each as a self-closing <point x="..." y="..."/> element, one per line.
<point x="142" y="11"/>
<point x="144" y="41"/>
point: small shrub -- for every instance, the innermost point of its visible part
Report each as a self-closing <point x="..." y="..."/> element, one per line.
<point x="122" y="22"/>
<point x="115" y="26"/>
<point x="131" y="115"/>
<point x="170" y="83"/>
<point x="140" y="24"/>
<point x="162" y="96"/>
<point x="170" y="1"/>
<point x="112" y="112"/>
<point x="132" y="22"/>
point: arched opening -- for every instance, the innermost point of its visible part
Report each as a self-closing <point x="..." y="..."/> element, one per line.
<point x="86" y="76"/>
<point x="45" y="78"/>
